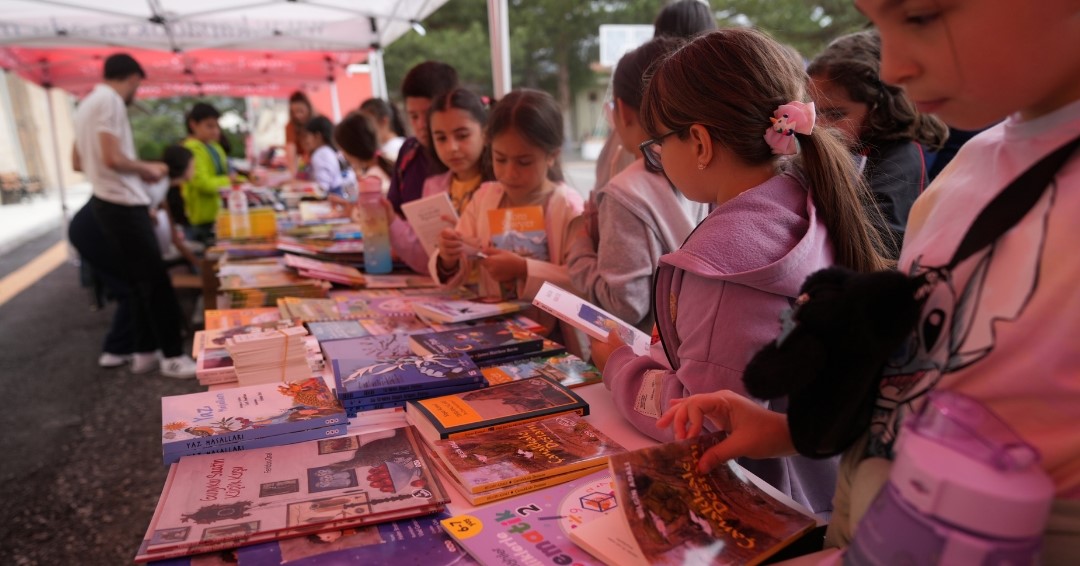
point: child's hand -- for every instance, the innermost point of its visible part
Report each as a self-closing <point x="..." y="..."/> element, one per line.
<point x="450" y="247"/>
<point x="601" y="351"/>
<point x="504" y="265"/>
<point x="753" y="431"/>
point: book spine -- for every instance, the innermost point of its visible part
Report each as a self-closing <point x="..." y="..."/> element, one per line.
<point x="361" y="402"/>
<point x="481" y="498"/>
<point x="384" y="390"/>
<point x="482" y="427"/>
<point x="516" y="358"/>
<point x="502" y="352"/>
<point x="591" y="465"/>
<point x="172" y="455"/>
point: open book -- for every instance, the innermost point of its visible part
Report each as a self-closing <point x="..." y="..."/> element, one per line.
<point x="589" y="318"/>
<point x="425" y="215"/>
<point x="664" y="512"/>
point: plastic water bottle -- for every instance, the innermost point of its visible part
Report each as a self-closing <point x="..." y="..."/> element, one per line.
<point x="239" y="221"/>
<point x="374" y="225"/>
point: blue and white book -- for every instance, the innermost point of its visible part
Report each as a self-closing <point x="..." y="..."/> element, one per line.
<point x="380" y="346"/>
<point x="363" y="377"/>
<point x="399" y="399"/>
<point x="485" y="342"/>
<point x="330" y="330"/>
<point x="217" y="446"/>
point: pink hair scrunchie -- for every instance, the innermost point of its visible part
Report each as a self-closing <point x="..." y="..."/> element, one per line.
<point x="789" y="119"/>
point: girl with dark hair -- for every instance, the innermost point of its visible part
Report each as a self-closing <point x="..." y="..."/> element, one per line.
<point x="388" y="124"/>
<point x="879" y="122"/>
<point x="640" y="216"/>
<point x="525" y="132"/>
<point x="730" y="127"/>
<point x="326" y="169"/>
<point x="358" y="140"/>
<point x="456" y="122"/>
<point x="300" y="113"/>
<point x="684" y="19"/>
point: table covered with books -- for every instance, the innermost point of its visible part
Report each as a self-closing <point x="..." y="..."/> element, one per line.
<point x="352" y="418"/>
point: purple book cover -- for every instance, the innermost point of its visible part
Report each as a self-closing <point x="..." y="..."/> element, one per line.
<point x="484" y="342"/>
<point x="362" y="377"/>
<point x="398" y="399"/>
<point x="368" y="347"/>
<point x="407" y="542"/>
<point x="533" y="527"/>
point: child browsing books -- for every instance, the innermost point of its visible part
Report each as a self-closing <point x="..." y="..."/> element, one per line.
<point x="640" y="215"/>
<point x="515" y="230"/>
<point x="202" y="192"/>
<point x="326" y="170"/>
<point x="456" y="122"/>
<point x="359" y="143"/>
<point x="722" y="108"/>
<point x="1003" y="311"/>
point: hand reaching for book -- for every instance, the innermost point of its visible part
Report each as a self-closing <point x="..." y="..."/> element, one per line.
<point x="753" y="431"/>
<point x="601" y="351"/>
<point x="451" y="247"/>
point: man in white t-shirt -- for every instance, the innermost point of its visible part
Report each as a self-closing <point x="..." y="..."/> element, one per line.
<point x="105" y="151"/>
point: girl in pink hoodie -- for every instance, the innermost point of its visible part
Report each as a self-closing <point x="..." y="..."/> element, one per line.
<point x="728" y="112"/>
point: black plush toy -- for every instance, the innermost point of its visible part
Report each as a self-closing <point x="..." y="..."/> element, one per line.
<point x="828" y="359"/>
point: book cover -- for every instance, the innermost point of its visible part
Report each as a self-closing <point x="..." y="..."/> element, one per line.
<point x="330" y="330"/>
<point x="398" y="399"/>
<point x="214" y="319"/>
<point x="371" y="347"/>
<point x="670" y="514"/>
<point x="520" y="230"/>
<point x="330" y="271"/>
<point x="589" y="318"/>
<point x="428" y="216"/>
<point x="535" y="527"/>
<point x="550" y="348"/>
<point x="308" y="309"/>
<point x="398" y="325"/>
<point x="492" y="407"/>
<point x="214" y="365"/>
<point x="239" y="414"/>
<point x="461" y="311"/>
<point x="525" y="452"/>
<point x="219" y="337"/>
<point x="219" y="445"/>
<point x="363" y="377"/>
<point x="418" y="541"/>
<point x="483" y="342"/>
<point x="216" y="501"/>
<point x="408" y="281"/>
<point x="568" y="369"/>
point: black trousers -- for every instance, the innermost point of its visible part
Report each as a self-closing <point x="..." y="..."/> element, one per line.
<point x="103" y="263"/>
<point x="154" y="307"/>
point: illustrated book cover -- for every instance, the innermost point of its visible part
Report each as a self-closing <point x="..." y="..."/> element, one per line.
<point x="228" y="444"/>
<point x="481" y="343"/>
<point x="589" y="318"/>
<point x="525" y="452"/>
<point x="672" y="515"/>
<point x="460" y="311"/>
<point x="566" y="368"/>
<point x="493" y="407"/>
<point x="330" y="330"/>
<point x="214" y="319"/>
<point x="520" y="230"/>
<point x="246" y="413"/>
<point x="371" y="347"/>
<point x="388" y="400"/>
<point x="216" y="501"/>
<point x="363" y="377"/>
<point x="535" y="527"/>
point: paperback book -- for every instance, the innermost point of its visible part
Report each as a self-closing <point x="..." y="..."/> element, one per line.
<point x="428" y="216"/>
<point x="214" y="366"/>
<point x="398" y="399"/>
<point x="326" y="270"/>
<point x="669" y="514"/>
<point x="235" y="415"/>
<point x="525" y="452"/>
<point x="308" y="310"/>
<point x="328" y="331"/>
<point x="461" y="311"/>
<point x="216" y="501"/>
<point x="589" y="318"/>
<point x="513" y="490"/>
<point x="217" y="446"/>
<point x="406" y="281"/>
<point x="520" y="230"/>
<point x="566" y="368"/>
<point x="365" y="377"/>
<point x="491" y="408"/>
<point x="214" y="319"/>
<point x="376" y="346"/>
<point x="484" y="342"/>
<point x="550" y="348"/>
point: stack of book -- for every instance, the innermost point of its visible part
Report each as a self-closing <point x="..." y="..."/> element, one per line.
<point x="484" y="343"/>
<point x="325" y="270"/>
<point x="269" y="356"/>
<point x="446" y="311"/>
<point x="214" y="319"/>
<point x="365" y="384"/>
<point x="213" y="363"/>
<point x="264" y="289"/>
<point x="301" y="309"/>
<point x="330" y="330"/>
<point x="255" y="416"/>
<point x="218" y="501"/>
<point x="524" y="457"/>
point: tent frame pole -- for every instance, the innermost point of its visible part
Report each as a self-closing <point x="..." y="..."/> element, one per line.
<point x="499" y="32"/>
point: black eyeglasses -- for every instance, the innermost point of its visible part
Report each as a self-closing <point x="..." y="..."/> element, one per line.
<point x="651" y="150"/>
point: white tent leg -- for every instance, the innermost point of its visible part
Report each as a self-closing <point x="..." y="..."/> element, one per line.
<point x="56" y="153"/>
<point x="335" y="104"/>
<point x="499" y="32"/>
<point x="378" y="75"/>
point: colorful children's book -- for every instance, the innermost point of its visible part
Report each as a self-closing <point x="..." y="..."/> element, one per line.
<point x="566" y="368"/>
<point x="491" y="408"/>
<point x="364" y="377"/>
<point x="536" y="526"/>
<point x="671" y="515"/>
<point x="195" y="447"/>
<point x="406" y="281"/>
<point x="371" y="347"/>
<point x="461" y="311"/>
<point x="396" y="325"/>
<point x="214" y="319"/>
<point x="219" y="337"/>
<point x="217" y="501"/>
<point x="399" y="398"/>
<point x="589" y="318"/>
<point x="327" y="270"/>
<point x="525" y="452"/>
<point x="513" y="490"/>
<point x="419" y="541"/>
<point x="520" y="230"/>
<point x="484" y="342"/>
<point x="240" y="414"/>
<point x="550" y="348"/>
<point x="330" y="330"/>
<point x="214" y="365"/>
<point x="308" y="310"/>
<point x="428" y="216"/>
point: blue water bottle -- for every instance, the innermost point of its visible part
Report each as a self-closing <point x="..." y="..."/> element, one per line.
<point x="375" y="227"/>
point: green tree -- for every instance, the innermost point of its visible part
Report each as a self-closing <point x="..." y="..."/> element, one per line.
<point x="806" y="25"/>
<point x="159" y="123"/>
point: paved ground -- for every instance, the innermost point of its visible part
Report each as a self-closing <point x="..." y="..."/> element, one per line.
<point x="81" y="468"/>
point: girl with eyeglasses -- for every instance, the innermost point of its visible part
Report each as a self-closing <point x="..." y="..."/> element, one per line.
<point x="639" y="215"/>
<point x="732" y="126"/>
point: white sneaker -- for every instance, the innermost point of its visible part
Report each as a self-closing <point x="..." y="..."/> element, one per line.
<point x="145" y="362"/>
<point x="179" y="367"/>
<point x="110" y="360"/>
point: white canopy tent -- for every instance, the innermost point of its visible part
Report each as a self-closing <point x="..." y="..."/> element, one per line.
<point x="228" y="47"/>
